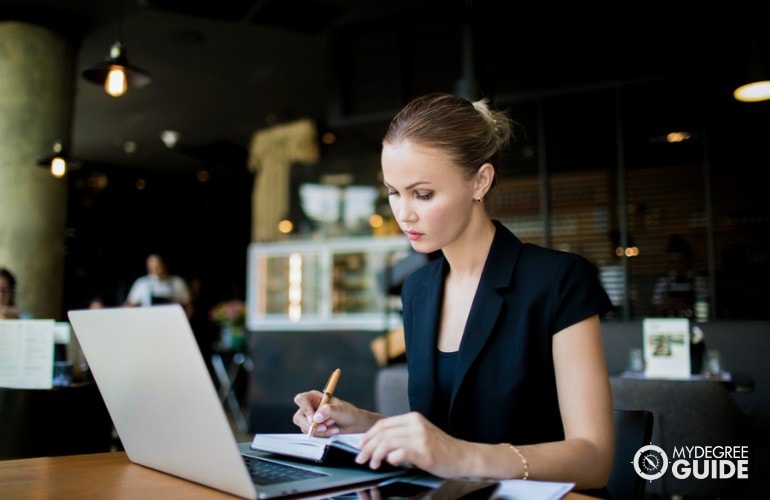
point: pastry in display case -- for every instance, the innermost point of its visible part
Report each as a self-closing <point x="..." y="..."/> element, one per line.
<point x="335" y="284"/>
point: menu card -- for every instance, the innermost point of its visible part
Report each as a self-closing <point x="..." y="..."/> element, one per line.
<point x="666" y="347"/>
<point x="26" y="353"/>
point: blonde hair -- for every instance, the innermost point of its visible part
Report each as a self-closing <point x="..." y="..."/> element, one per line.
<point x="471" y="133"/>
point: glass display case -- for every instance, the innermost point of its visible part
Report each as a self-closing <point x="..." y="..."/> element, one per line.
<point x="330" y="284"/>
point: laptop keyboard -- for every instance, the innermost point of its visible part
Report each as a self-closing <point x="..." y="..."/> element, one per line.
<point x="265" y="472"/>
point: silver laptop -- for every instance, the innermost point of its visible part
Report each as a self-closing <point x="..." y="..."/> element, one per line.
<point x="167" y="412"/>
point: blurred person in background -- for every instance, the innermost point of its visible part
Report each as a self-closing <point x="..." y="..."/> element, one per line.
<point x="8" y="309"/>
<point x="159" y="286"/>
<point x="675" y="293"/>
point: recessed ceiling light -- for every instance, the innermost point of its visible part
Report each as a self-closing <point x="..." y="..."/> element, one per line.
<point x="169" y="138"/>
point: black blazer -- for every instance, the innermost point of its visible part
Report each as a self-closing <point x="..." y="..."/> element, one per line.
<point x="504" y="382"/>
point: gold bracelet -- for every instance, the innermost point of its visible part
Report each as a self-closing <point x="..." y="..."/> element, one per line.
<point x="523" y="459"/>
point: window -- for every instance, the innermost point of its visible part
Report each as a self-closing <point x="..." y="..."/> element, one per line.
<point x="612" y="173"/>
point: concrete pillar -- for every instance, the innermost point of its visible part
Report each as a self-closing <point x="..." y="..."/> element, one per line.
<point x="36" y="103"/>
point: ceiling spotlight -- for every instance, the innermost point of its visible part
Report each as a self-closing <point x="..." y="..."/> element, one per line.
<point x="58" y="161"/>
<point x="169" y="138"/>
<point x="129" y="147"/>
<point x="115" y="74"/>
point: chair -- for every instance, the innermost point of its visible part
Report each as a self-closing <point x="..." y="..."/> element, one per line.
<point x="687" y="412"/>
<point x="633" y="429"/>
<point x="390" y="390"/>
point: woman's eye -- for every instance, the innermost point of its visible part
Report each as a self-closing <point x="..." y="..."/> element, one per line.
<point x="423" y="196"/>
<point x="392" y="193"/>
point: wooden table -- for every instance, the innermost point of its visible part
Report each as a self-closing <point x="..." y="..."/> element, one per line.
<point x="108" y="476"/>
<point x="99" y="475"/>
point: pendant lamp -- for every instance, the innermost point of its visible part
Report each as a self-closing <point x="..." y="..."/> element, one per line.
<point x="757" y="84"/>
<point x="59" y="161"/>
<point x="115" y="74"/>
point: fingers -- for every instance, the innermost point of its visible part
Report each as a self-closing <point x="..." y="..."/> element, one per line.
<point x="400" y="441"/>
<point x="335" y="417"/>
<point x="395" y="452"/>
<point x="308" y="412"/>
<point x="306" y="403"/>
<point x="395" y="457"/>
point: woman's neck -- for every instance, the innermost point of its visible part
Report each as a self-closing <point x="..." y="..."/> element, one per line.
<point x="467" y="256"/>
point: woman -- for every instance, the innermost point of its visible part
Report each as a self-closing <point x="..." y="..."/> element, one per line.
<point x="8" y="309"/>
<point x="507" y="377"/>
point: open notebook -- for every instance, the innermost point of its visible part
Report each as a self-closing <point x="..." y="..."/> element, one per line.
<point x="167" y="412"/>
<point x="335" y="449"/>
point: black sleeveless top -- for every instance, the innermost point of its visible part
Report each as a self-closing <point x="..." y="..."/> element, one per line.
<point x="445" y="378"/>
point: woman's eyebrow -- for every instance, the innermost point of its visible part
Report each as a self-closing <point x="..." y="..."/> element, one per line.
<point x="410" y="186"/>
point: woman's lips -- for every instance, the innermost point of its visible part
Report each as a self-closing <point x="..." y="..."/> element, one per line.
<point x="413" y="235"/>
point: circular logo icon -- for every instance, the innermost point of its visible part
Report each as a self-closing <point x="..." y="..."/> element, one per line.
<point x="650" y="462"/>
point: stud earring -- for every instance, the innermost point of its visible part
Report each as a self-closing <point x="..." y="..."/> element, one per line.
<point x="477" y="200"/>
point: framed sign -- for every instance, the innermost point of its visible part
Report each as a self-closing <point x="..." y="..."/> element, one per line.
<point x="666" y="347"/>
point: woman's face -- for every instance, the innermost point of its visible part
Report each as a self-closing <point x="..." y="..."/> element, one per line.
<point x="156" y="266"/>
<point x="429" y="197"/>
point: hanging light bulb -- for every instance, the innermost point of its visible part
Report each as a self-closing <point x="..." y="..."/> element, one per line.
<point x="116" y="82"/>
<point x="58" y="162"/>
<point x="58" y="167"/>
<point x="115" y="74"/>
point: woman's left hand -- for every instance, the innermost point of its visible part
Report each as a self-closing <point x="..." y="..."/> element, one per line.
<point x="411" y="440"/>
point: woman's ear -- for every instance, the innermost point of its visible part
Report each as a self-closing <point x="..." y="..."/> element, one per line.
<point x="483" y="180"/>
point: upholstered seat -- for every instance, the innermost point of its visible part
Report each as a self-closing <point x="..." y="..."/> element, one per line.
<point x="390" y="392"/>
<point x="687" y="413"/>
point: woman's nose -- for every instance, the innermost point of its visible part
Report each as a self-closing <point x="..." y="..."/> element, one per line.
<point x="402" y="210"/>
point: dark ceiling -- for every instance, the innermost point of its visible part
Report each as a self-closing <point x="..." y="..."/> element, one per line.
<point x="224" y="69"/>
<point x="221" y="70"/>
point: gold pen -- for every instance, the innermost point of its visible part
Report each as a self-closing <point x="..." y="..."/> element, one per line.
<point x="331" y="385"/>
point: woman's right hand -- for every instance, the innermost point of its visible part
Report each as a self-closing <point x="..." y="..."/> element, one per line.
<point x="335" y="417"/>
